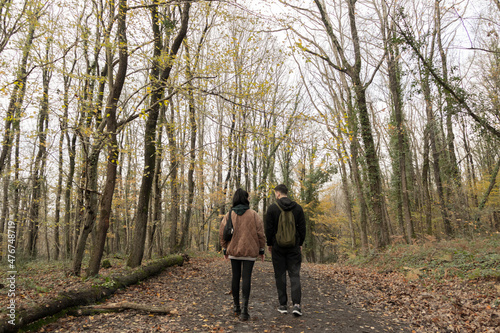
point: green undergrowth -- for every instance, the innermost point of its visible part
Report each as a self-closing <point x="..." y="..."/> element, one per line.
<point x="466" y="259"/>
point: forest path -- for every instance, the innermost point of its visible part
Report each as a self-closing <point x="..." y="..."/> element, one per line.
<point x="198" y="294"/>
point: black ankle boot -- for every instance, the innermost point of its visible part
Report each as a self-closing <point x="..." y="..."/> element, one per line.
<point x="244" y="314"/>
<point x="237" y="310"/>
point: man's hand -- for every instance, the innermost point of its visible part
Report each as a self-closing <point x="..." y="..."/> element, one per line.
<point x="270" y="249"/>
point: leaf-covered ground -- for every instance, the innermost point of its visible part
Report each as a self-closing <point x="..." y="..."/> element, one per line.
<point x="198" y="295"/>
<point x="450" y="305"/>
<point x="335" y="298"/>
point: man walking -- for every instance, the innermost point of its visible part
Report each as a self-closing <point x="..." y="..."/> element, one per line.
<point x="282" y="218"/>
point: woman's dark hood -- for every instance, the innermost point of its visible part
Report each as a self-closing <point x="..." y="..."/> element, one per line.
<point x="240" y="209"/>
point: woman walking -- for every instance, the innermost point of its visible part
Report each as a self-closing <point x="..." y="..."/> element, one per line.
<point x="247" y="243"/>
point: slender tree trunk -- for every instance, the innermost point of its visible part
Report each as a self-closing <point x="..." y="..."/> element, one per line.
<point x="67" y="195"/>
<point x="184" y="243"/>
<point x="17" y="95"/>
<point x="88" y="205"/>
<point x="57" y="217"/>
<point x="111" y="124"/>
<point x="127" y="193"/>
<point x="373" y="168"/>
<point x="425" y="184"/>
<point x="137" y="253"/>
<point x="90" y="210"/>
<point x="16" y="195"/>
<point x="141" y="219"/>
<point x="395" y="88"/>
<point x="157" y="193"/>
<point x="460" y="206"/>
<point x="201" y="176"/>
<point x="435" y="155"/>
<point x="4" y="217"/>
<point x="486" y="194"/>
<point x="348" y="199"/>
<point x="174" y="183"/>
<point x="470" y="167"/>
<point x="40" y="162"/>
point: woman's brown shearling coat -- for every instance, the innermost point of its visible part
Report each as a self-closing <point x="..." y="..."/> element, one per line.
<point x="248" y="235"/>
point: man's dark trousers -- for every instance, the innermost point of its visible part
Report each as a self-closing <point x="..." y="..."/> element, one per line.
<point x="287" y="260"/>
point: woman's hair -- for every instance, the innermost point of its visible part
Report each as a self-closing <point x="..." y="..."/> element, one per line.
<point x="240" y="197"/>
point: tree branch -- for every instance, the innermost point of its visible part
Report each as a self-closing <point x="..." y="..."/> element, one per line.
<point x="410" y="41"/>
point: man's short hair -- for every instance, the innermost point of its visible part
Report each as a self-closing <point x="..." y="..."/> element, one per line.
<point x="282" y="189"/>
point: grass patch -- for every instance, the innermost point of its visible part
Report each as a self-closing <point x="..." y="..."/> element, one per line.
<point x="466" y="259"/>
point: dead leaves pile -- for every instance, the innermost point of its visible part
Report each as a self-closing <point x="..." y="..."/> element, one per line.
<point x="450" y="305"/>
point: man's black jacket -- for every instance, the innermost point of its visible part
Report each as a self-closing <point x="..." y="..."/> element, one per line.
<point x="272" y="218"/>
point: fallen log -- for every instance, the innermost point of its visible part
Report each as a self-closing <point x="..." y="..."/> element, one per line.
<point x="66" y="300"/>
<point x="91" y="310"/>
<point x="120" y="306"/>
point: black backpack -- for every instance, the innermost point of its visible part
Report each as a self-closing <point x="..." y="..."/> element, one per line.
<point x="227" y="234"/>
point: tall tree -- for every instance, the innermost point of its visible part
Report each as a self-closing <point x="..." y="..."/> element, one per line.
<point x="115" y="90"/>
<point x="401" y="152"/>
<point x="160" y="73"/>
<point x="18" y="88"/>
<point x="354" y="71"/>
<point x="91" y="127"/>
<point x="38" y="175"/>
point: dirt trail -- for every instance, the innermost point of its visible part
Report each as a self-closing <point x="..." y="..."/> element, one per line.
<point x="198" y="292"/>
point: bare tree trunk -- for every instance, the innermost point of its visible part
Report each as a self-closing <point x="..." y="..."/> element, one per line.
<point x="90" y="209"/>
<point x="435" y="154"/>
<point x="453" y="171"/>
<point x="157" y="193"/>
<point x="486" y="194"/>
<point x="174" y="183"/>
<point x="348" y="199"/>
<point x="40" y="161"/>
<point x="57" y="217"/>
<point x="127" y="193"/>
<point x="17" y="94"/>
<point x="373" y="168"/>
<point x="395" y="88"/>
<point x="470" y="167"/>
<point x="425" y="185"/>
<point x="201" y="176"/>
<point x="71" y="143"/>
<point x="115" y="88"/>
<point x="16" y="196"/>
<point x="87" y="206"/>
<point x="4" y="217"/>
<point x="376" y="193"/>
<point x="158" y="79"/>
<point x="184" y="243"/>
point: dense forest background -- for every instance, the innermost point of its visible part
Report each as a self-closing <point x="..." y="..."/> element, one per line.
<point x="129" y="124"/>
